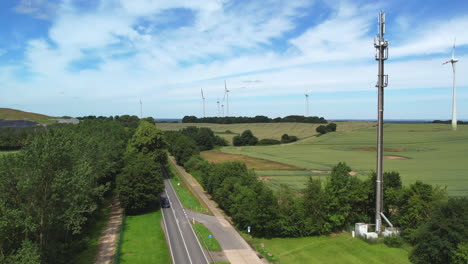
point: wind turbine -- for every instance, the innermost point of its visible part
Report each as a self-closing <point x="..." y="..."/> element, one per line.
<point x="454" y="99"/>
<point x="141" y="109"/>
<point x="226" y="95"/>
<point x="222" y="107"/>
<point x="203" y="98"/>
<point x="218" y="107"/>
<point x="307" y="104"/>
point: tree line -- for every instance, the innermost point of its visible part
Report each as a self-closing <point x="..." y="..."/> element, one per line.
<point x="256" y="119"/>
<point x="459" y="122"/>
<point x="52" y="188"/>
<point x="190" y="141"/>
<point x="130" y="121"/>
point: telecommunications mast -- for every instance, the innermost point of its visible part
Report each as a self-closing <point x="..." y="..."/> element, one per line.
<point x="381" y="54"/>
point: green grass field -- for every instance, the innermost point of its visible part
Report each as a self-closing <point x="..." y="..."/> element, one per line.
<point x="143" y="240"/>
<point x="432" y="153"/>
<point x="186" y="197"/>
<point x="203" y="232"/>
<point x="337" y="249"/>
<point x="13" y="114"/>
<point x="266" y="130"/>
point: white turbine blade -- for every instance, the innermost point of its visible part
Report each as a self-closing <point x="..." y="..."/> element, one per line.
<point x="203" y="97"/>
<point x="446" y="62"/>
<point x="225" y="86"/>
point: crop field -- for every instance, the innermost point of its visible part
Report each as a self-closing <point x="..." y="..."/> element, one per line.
<point x="341" y="248"/>
<point x="266" y="130"/>
<point x="432" y="153"/>
<point x="216" y="156"/>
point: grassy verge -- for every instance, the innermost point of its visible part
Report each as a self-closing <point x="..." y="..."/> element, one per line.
<point x="92" y="233"/>
<point x="186" y="195"/>
<point x="341" y="248"/>
<point x="203" y="234"/>
<point x="143" y="240"/>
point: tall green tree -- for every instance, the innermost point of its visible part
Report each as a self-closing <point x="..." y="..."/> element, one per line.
<point x="437" y="240"/>
<point x="139" y="184"/>
<point x="149" y="140"/>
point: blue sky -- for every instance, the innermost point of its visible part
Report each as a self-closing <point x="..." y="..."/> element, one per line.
<point x="99" y="57"/>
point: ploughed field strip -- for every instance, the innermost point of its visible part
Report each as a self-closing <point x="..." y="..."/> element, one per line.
<point x="216" y="156"/>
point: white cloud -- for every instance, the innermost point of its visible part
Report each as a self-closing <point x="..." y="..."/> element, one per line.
<point x="168" y="67"/>
<point x="434" y="37"/>
<point x="40" y="9"/>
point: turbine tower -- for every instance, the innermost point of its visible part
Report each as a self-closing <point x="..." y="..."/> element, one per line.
<point x="222" y="107"/>
<point x="203" y="99"/>
<point x="307" y="105"/>
<point x="454" y="99"/>
<point x="226" y="94"/>
<point x="141" y="109"/>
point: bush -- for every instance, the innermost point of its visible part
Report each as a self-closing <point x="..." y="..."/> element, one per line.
<point x="321" y="129"/>
<point x="394" y="241"/>
<point x="331" y="127"/>
<point x="220" y="141"/>
<point x="245" y="139"/>
<point x="285" y="138"/>
<point x="325" y="129"/>
<point x="268" y="141"/>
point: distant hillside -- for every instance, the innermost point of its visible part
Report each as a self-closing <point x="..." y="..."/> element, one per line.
<point x="13" y="114"/>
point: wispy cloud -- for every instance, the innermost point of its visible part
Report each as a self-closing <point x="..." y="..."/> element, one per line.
<point x="40" y="9"/>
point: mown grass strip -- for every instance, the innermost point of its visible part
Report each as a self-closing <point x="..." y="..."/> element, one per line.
<point x="143" y="240"/>
<point x="203" y="234"/>
<point x="186" y="194"/>
<point x="324" y="249"/>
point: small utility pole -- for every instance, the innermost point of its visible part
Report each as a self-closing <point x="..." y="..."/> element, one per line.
<point x="381" y="54"/>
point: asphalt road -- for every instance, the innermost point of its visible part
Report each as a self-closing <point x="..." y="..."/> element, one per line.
<point x="183" y="243"/>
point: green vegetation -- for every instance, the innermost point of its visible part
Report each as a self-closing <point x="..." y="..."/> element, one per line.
<point x="325" y="129"/>
<point x="144" y="240"/>
<point x="141" y="180"/>
<point x="203" y="233"/>
<point x="432" y="153"/>
<point x="341" y="248"/>
<point x="184" y="192"/>
<point x="15" y="138"/>
<point x="8" y="152"/>
<point x="245" y="139"/>
<point x="443" y="237"/>
<point x="266" y="130"/>
<point x="12" y="114"/>
<point x="92" y="233"/>
<point x="51" y="190"/>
